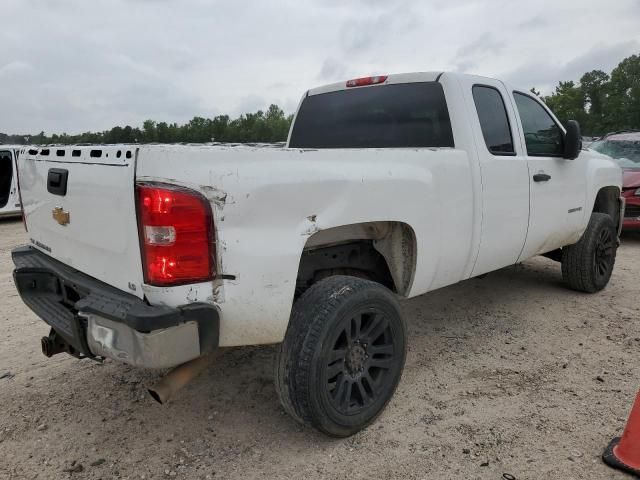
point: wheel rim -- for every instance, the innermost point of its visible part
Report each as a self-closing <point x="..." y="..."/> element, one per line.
<point x="362" y="356"/>
<point x="603" y="257"/>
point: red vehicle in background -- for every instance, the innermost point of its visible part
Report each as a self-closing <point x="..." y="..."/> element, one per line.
<point x="624" y="148"/>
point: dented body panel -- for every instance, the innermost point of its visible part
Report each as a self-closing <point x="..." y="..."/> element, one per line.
<point x="264" y="223"/>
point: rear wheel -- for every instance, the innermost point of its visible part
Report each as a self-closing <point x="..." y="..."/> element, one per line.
<point x="342" y="356"/>
<point x="587" y="266"/>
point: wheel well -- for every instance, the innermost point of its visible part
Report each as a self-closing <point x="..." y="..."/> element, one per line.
<point x="384" y="252"/>
<point x="607" y="201"/>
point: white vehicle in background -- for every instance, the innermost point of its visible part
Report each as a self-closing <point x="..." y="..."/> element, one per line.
<point x="9" y="196"/>
<point x="389" y="187"/>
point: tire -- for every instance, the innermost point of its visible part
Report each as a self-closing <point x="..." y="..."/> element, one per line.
<point x="587" y="265"/>
<point x="342" y="356"/>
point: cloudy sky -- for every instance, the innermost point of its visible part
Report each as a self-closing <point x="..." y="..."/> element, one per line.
<point x="78" y="65"/>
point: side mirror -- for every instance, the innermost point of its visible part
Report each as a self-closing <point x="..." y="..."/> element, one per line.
<point x="572" y="140"/>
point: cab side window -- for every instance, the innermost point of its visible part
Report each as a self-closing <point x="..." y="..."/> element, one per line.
<point x="493" y="120"/>
<point x="542" y="135"/>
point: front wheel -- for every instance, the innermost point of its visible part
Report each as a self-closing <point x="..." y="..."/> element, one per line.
<point x="342" y="356"/>
<point x="587" y="266"/>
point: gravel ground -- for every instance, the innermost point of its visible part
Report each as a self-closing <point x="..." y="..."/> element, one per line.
<point x="510" y="374"/>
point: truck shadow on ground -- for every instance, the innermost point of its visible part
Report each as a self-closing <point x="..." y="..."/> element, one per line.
<point x="632" y="238"/>
<point x="9" y="220"/>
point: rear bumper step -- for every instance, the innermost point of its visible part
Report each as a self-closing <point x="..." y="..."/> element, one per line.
<point x="99" y="320"/>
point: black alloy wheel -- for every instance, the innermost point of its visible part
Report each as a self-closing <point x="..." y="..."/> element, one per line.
<point x="342" y="356"/>
<point x="362" y="356"/>
<point x="604" y="254"/>
<point x="588" y="264"/>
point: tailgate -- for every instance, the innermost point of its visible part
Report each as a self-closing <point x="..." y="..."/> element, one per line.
<point x="79" y="205"/>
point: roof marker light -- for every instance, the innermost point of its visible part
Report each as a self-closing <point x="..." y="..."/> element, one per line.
<point x="363" y="81"/>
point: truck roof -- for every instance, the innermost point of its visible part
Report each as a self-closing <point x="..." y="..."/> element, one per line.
<point x="431" y="76"/>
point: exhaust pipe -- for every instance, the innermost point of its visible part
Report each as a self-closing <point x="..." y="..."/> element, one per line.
<point x="47" y="347"/>
<point x="177" y="378"/>
<point x="52" y="345"/>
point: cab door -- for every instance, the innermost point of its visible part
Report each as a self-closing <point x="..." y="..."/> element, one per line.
<point x="13" y="194"/>
<point x="6" y="179"/>
<point x="503" y="171"/>
<point x="557" y="185"/>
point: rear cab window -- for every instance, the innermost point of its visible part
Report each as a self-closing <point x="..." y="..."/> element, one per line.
<point x="494" y="121"/>
<point x="542" y="135"/>
<point x="380" y="116"/>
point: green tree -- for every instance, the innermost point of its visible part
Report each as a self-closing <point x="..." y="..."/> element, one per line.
<point x="623" y="103"/>
<point x="594" y="87"/>
<point x="149" y="131"/>
<point x="601" y="102"/>
<point x="567" y="102"/>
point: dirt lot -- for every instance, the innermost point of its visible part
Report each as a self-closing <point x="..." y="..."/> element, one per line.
<point x="508" y="374"/>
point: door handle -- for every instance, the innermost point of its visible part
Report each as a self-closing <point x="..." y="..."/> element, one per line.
<point x="541" y="177"/>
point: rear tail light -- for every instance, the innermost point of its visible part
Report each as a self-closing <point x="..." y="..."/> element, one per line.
<point x="176" y="235"/>
<point x="361" y="82"/>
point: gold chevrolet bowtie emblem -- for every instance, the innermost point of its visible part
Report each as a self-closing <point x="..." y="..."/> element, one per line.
<point x="60" y="216"/>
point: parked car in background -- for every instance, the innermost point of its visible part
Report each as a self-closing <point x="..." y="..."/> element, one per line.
<point x="9" y="196"/>
<point x="624" y="147"/>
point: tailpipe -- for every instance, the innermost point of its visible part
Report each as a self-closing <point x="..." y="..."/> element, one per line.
<point x="52" y="345"/>
<point x="47" y="347"/>
<point x="177" y="378"/>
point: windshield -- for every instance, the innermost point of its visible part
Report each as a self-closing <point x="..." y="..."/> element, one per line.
<point x="385" y="116"/>
<point x="625" y="152"/>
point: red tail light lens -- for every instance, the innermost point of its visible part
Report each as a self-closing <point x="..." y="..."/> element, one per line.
<point x="176" y="235"/>
<point x="361" y="82"/>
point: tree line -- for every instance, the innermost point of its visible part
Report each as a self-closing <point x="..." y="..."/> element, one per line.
<point x="601" y="102"/>
<point x="270" y="126"/>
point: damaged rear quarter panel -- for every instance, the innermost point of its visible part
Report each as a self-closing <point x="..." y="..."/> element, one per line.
<point x="267" y="203"/>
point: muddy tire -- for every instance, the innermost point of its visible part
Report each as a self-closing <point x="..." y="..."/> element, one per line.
<point x="587" y="265"/>
<point x="342" y="356"/>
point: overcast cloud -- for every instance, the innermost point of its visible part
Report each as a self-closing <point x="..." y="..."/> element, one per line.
<point x="78" y="65"/>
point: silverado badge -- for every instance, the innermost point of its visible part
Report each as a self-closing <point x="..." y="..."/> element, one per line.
<point x="60" y="216"/>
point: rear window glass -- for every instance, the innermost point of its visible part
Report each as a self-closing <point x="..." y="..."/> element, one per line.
<point x="493" y="120"/>
<point x="385" y="116"/>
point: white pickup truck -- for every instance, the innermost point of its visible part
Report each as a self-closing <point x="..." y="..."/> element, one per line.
<point x="388" y="187"/>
